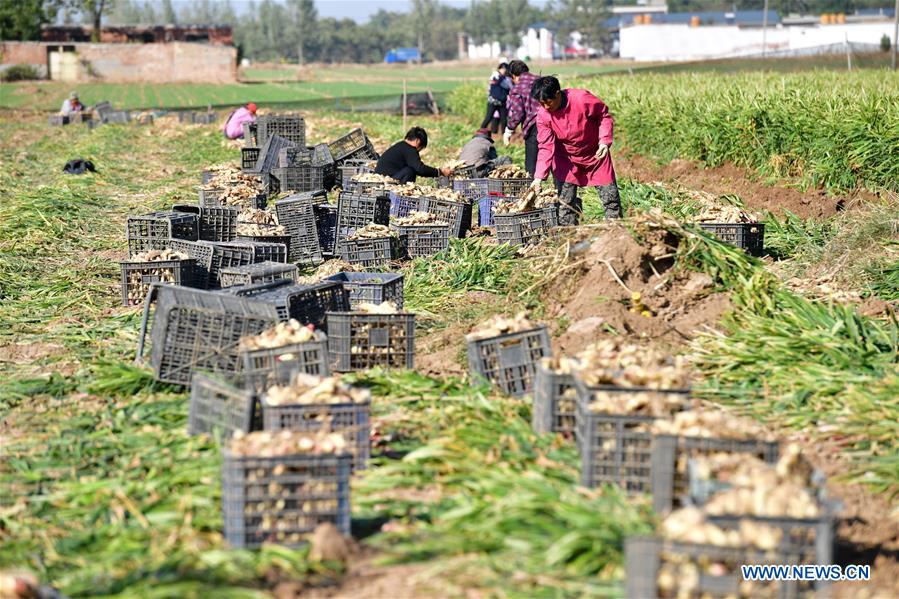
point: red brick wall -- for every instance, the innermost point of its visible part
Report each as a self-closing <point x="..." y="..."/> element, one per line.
<point x="23" y="53"/>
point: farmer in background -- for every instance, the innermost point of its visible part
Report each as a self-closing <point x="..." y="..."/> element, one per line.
<point x="480" y="153"/>
<point x="234" y="123"/>
<point x="574" y="133"/>
<point x="403" y="162"/>
<point x="523" y="111"/>
<point x="71" y="104"/>
<point x="497" y="93"/>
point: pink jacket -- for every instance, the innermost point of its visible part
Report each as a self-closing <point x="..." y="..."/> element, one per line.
<point x="234" y="127"/>
<point x="569" y="137"/>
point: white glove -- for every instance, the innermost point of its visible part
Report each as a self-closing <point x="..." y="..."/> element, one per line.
<point x="536" y="183"/>
<point x="507" y="136"/>
<point x="602" y="151"/>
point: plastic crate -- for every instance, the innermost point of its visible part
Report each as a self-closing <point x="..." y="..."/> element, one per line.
<point x="352" y="420"/>
<point x="457" y="214"/>
<point x="263" y="368"/>
<point x="219" y="404"/>
<point x="290" y="127"/>
<point x="811" y="538"/>
<point x="371" y="287"/>
<point x="267" y="251"/>
<point x="283" y="499"/>
<point x="669" y="487"/>
<point x="509" y="361"/>
<point x="280" y="239"/>
<point x="260" y="272"/>
<point x="350" y="145"/>
<point x="201" y="253"/>
<point x="747" y="236"/>
<point x="212" y="257"/>
<point x="354" y="211"/>
<point x="351" y="168"/>
<point x="370" y="252"/>
<point x="58" y="120"/>
<point x="302" y="177"/>
<point x="218" y="223"/>
<point x="554" y="411"/>
<point x="116" y="117"/>
<point x="486" y="206"/>
<point x="248" y="158"/>
<point x="472" y="189"/>
<point x="137" y="277"/>
<point x="294" y="155"/>
<point x="155" y="230"/>
<point x="525" y="228"/>
<point x="508" y="187"/>
<point x="646" y="556"/>
<point x="422" y="240"/>
<point x="198" y="330"/>
<point x="297" y="215"/>
<point x="326" y="225"/>
<point x="401" y="205"/>
<point x="358" y="340"/>
<point x="306" y="303"/>
<point x="269" y="151"/>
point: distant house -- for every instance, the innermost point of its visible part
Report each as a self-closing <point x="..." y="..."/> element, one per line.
<point x="402" y="55"/>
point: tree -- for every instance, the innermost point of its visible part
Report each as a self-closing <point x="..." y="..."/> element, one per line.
<point x="303" y="16"/>
<point x="94" y="9"/>
<point x="22" y="19"/>
<point x="168" y="13"/>
<point x="583" y="16"/>
<point x="422" y="18"/>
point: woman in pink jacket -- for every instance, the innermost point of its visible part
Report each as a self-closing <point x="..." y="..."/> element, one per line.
<point x="574" y="133"/>
<point x="234" y="123"/>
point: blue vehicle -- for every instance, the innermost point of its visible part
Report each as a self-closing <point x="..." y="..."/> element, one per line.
<point x="402" y="55"/>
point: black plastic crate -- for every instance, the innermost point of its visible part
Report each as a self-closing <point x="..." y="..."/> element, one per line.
<point x="457" y="214"/>
<point x="260" y="272"/>
<point x="326" y="225"/>
<point x="248" y="158"/>
<point x="401" y="205"/>
<point x="210" y="197"/>
<point x="669" y="487"/>
<point x="352" y="420"/>
<point x="422" y="240"/>
<point x="306" y="303"/>
<point x="153" y="231"/>
<point x="301" y="177"/>
<point x="198" y="330"/>
<point x="354" y="211"/>
<point x="371" y="252"/>
<point x="263" y="368"/>
<point x="212" y="257"/>
<point x="747" y="236"/>
<point x="508" y="187"/>
<point x="201" y="252"/>
<point x="250" y="139"/>
<point x="265" y="251"/>
<point x="358" y="341"/>
<point x="525" y="228"/>
<point x="554" y="411"/>
<point x="282" y="499"/>
<point x="645" y="558"/>
<point x="138" y="277"/>
<point x="268" y="239"/>
<point x="371" y="287"/>
<point x="509" y="361"/>
<point x="290" y="127"/>
<point x="351" y="168"/>
<point x="269" y="151"/>
<point x="351" y="145"/>
<point x="218" y="223"/>
<point x="296" y="214"/>
<point x="294" y="155"/>
<point x="472" y="189"/>
<point x="219" y="403"/>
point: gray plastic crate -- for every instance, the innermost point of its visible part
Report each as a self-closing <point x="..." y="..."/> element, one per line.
<point x="282" y="499"/>
<point x="198" y="330"/>
<point x="248" y="158"/>
<point x="219" y="403"/>
<point x="645" y="556"/>
<point x="218" y="223"/>
<point x="268" y="240"/>
<point x="300" y="177"/>
<point x="269" y="151"/>
<point x="670" y="487"/>
<point x="352" y="420"/>
<point x="350" y="169"/>
<point x="525" y="228"/>
<point x="358" y="341"/>
<point x="263" y="368"/>
<point x="509" y="361"/>
<point x="401" y="205"/>
<point x="138" y="277"/>
<point x="153" y="231"/>
<point x="371" y="252"/>
<point x="472" y="189"/>
<point x="253" y="274"/>
<point x="353" y="145"/>
<point x="306" y="303"/>
<point x="422" y="240"/>
<point x="508" y="187"/>
<point x="290" y="127"/>
<point x="326" y="224"/>
<point x="354" y="211"/>
<point x="297" y="215"/>
<point x="371" y="287"/>
<point x="553" y="411"/>
<point x="457" y="214"/>
<point x="747" y="236"/>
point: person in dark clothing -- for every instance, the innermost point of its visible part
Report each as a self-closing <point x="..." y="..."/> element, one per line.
<point x="480" y="153"/>
<point x="496" y="99"/>
<point x="403" y="162"/>
<point x="523" y="111"/>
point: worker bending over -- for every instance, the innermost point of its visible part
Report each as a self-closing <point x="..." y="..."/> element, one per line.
<point x="402" y="160"/>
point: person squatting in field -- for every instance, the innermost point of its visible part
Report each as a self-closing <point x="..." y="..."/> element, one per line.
<point x="480" y="153"/>
<point x="233" y="128"/>
<point x="574" y="134"/>
<point x="402" y="161"/>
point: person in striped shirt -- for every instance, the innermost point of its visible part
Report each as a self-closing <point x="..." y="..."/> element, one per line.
<point x="522" y="109"/>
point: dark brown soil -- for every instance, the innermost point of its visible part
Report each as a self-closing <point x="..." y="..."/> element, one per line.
<point x="730" y="179"/>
